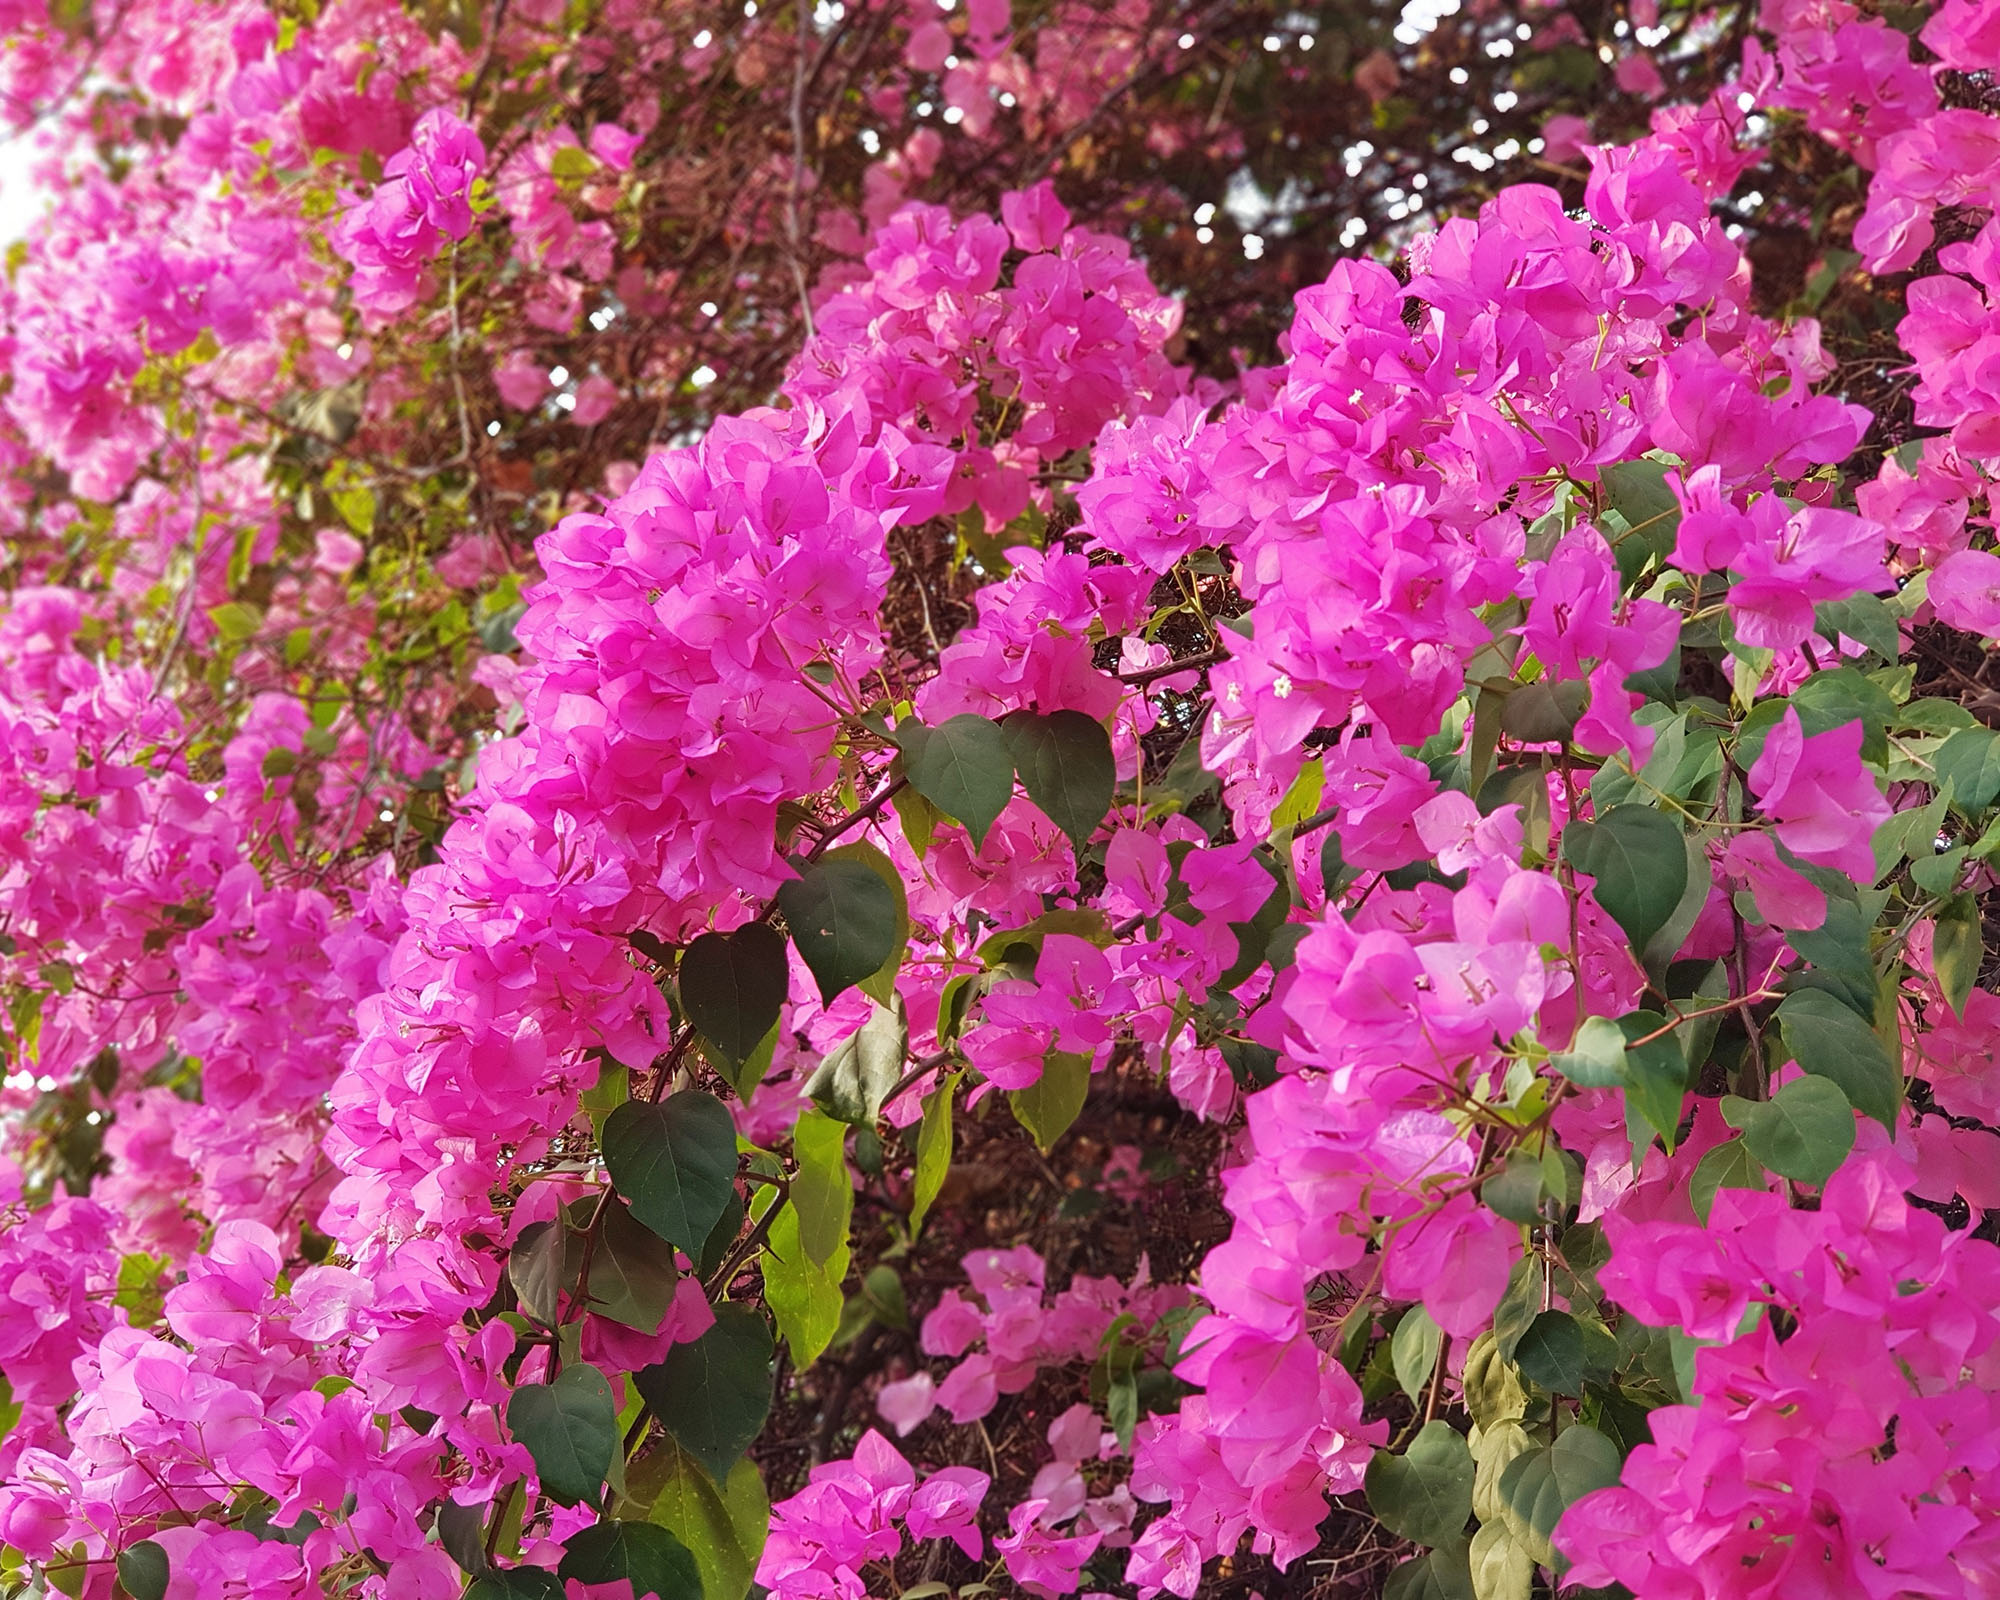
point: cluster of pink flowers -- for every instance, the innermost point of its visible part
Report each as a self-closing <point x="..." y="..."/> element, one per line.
<point x="424" y="200"/>
<point x="1450" y="502"/>
<point x="1842" y="1438"/>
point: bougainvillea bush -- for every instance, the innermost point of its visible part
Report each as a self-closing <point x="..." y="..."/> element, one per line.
<point x="929" y="799"/>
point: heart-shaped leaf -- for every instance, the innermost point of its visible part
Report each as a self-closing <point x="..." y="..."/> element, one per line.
<point x="733" y="985"/>
<point x="963" y="767"/>
<point x="713" y="1394"/>
<point x="843" y="918"/>
<point x="675" y="1163"/>
<point x="1067" y="768"/>
<point x="570" y="1427"/>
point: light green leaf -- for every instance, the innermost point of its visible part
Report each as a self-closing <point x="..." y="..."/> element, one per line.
<point x="1728" y="1166"/>
<point x="1501" y="1568"/>
<point x="822" y="1193"/>
<point x="1048" y="1106"/>
<point x="1413" y="1351"/>
<point x="851" y="1083"/>
<point x="1537" y="1488"/>
<point x="724" y="1529"/>
<point x="803" y="1296"/>
<point x="933" y="1150"/>
<point x="1958" y="947"/>
<point x="1970" y="762"/>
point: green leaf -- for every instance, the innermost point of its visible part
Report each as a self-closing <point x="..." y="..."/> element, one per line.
<point x="1803" y="1132"/>
<point x="843" y="918"/>
<point x="880" y="985"/>
<point x="612" y="1089"/>
<point x="1667" y="940"/>
<point x="651" y="1559"/>
<point x="1970" y="762"/>
<point x="674" y="1162"/>
<point x="1638" y="492"/>
<point x="516" y="1583"/>
<point x="140" y="1294"/>
<point x="822" y="1194"/>
<point x="1865" y="619"/>
<point x="1957" y="949"/>
<point x="1493" y="1391"/>
<point x="1048" y="1106"/>
<point x="1828" y="1039"/>
<point x="1516" y="1190"/>
<point x="1067" y="768"/>
<point x="570" y="1427"/>
<point x="1550" y="1353"/>
<point x="535" y="1268"/>
<point x="1425" y="1494"/>
<point x="856" y="1076"/>
<point x="724" y="1529"/>
<point x="632" y="1272"/>
<point x="1413" y="1351"/>
<point x="1536" y="1489"/>
<point x="963" y="767"/>
<point x="1501" y="1568"/>
<point x="933" y="1150"/>
<point x="1440" y="1574"/>
<point x="804" y="1296"/>
<point x="713" y="1395"/>
<point x="733" y="985"/>
<point x="1654" y="1075"/>
<point x="461" y="1530"/>
<point x="1640" y="863"/>
<point x="144" y="1571"/>
<point x="1728" y="1166"/>
<point x="1596" y="1057"/>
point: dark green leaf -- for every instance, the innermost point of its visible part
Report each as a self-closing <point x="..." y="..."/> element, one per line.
<point x="1516" y="1190"/>
<point x="144" y="1571"/>
<point x="713" y="1395"/>
<point x="1803" y="1132"/>
<point x="721" y="1237"/>
<point x="462" y="1532"/>
<point x="733" y="985"/>
<point x="1544" y="713"/>
<point x="516" y="1583"/>
<point x="1638" y="492"/>
<point x="963" y="767"/>
<point x="1728" y="1166"/>
<point x="1538" y="1487"/>
<point x="1067" y="768"/>
<point x="1655" y="1074"/>
<point x="632" y="1272"/>
<point x="1441" y="1574"/>
<point x="1550" y="1353"/>
<point x="1048" y="1106"/>
<point x="570" y="1427"/>
<point x="535" y="1268"/>
<point x="1424" y="1494"/>
<point x="651" y="1559"/>
<point x="674" y="1162"/>
<point x="1639" y="861"/>
<point x="1827" y="1038"/>
<point x="844" y="920"/>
